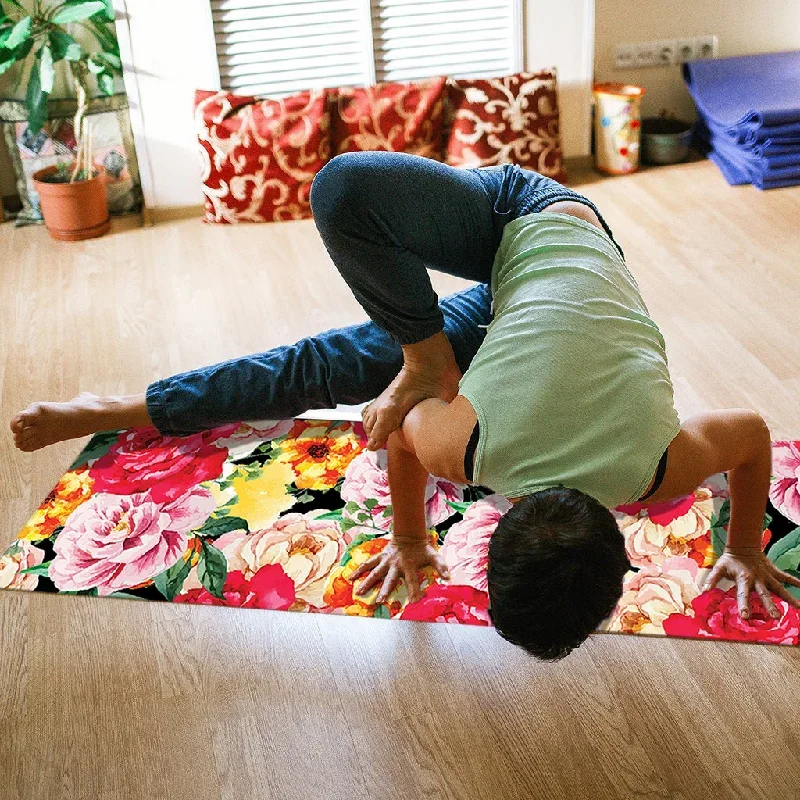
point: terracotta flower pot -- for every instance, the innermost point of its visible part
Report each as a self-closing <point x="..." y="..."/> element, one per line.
<point x="73" y="211"/>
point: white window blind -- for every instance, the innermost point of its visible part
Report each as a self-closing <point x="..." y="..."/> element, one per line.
<point x="273" y="47"/>
<point x="461" y="38"/>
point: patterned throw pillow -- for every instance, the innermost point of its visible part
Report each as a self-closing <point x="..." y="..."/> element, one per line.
<point x="400" y="117"/>
<point x="513" y="119"/>
<point x="260" y="156"/>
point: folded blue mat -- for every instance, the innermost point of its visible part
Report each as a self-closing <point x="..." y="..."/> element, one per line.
<point x="752" y="135"/>
<point x="748" y="92"/>
<point x="755" y="158"/>
<point x="736" y="173"/>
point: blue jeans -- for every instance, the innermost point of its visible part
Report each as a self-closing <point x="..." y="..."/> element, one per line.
<point x="385" y="218"/>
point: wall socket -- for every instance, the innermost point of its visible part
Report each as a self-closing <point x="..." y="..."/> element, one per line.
<point x="665" y="52"/>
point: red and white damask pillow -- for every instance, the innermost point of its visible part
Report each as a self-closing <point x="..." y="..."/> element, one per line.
<point x="259" y="156"/>
<point x="399" y="117"/>
<point x="512" y="119"/>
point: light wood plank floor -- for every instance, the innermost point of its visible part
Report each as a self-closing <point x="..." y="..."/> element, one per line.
<point x="118" y="699"/>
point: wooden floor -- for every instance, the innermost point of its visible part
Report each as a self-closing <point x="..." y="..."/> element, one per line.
<point x="120" y="699"/>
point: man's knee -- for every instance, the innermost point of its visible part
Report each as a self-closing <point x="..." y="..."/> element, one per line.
<point x="341" y="187"/>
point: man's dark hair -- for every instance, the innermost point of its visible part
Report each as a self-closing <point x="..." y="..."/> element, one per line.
<point x="556" y="564"/>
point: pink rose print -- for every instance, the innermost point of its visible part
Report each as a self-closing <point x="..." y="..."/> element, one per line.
<point x="653" y="594"/>
<point x="466" y="546"/>
<point x="307" y="549"/>
<point x="366" y="479"/>
<point x="270" y="587"/>
<point x="166" y="466"/>
<point x="28" y="556"/>
<point x="678" y="528"/>
<point x="716" y="616"/>
<point x="449" y="603"/>
<point x="113" y="542"/>
<point x="784" y="492"/>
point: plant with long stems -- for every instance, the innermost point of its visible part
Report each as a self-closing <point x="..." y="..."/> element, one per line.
<point x="41" y="33"/>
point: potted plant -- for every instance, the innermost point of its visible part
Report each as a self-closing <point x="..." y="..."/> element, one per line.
<point x="72" y="195"/>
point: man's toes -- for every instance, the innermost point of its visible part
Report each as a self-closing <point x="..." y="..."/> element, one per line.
<point x="30" y="414"/>
<point x="16" y="424"/>
<point x="29" y="445"/>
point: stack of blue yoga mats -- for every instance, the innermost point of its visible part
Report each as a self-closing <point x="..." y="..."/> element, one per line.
<point x="749" y="122"/>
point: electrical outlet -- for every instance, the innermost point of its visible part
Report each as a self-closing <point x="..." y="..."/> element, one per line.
<point x="685" y="50"/>
<point x="646" y="54"/>
<point x="705" y="46"/>
<point x="624" y="56"/>
<point x="666" y="52"/>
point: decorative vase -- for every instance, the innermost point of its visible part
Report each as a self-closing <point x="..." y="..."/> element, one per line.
<point x="73" y="211"/>
<point x="617" y="126"/>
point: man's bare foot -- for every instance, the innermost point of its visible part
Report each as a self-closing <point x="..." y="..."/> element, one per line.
<point x="417" y="381"/>
<point x="42" y="424"/>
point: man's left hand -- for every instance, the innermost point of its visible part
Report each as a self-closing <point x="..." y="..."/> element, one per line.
<point x="751" y="570"/>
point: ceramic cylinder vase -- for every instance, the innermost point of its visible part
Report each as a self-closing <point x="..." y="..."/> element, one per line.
<point x="617" y="127"/>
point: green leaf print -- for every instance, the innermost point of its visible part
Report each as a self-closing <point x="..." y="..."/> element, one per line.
<point x="39" y="569"/>
<point x="785" y="553"/>
<point x="337" y="515"/>
<point x="212" y="569"/>
<point x="170" y="581"/>
<point x="460" y="507"/>
<point x="215" y="526"/>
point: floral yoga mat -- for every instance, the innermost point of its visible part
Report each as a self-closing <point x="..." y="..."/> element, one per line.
<point x="278" y="514"/>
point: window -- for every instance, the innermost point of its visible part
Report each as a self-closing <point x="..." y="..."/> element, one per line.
<point x="273" y="47"/>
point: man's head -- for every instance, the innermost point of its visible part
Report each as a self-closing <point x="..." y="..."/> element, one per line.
<point x="556" y="563"/>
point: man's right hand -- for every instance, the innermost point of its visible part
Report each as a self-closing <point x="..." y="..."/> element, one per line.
<point x="398" y="559"/>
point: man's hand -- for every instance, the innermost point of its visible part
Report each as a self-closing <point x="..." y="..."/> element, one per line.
<point x="750" y="570"/>
<point x="400" y="559"/>
<point x="429" y="370"/>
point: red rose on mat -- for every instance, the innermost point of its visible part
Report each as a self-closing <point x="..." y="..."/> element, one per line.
<point x="448" y="603"/>
<point x="716" y="616"/>
<point x="166" y="466"/>
<point x="270" y="587"/>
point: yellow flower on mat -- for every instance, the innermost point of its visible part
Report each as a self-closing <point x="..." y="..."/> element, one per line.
<point x="73" y="489"/>
<point x="261" y="499"/>
<point x="318" y="456"/>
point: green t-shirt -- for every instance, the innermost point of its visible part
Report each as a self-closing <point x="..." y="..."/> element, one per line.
<point x="571" y="384"/>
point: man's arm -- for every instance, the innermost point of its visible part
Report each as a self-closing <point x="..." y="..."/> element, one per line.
<point x="407" y="482"/>
<point x="409" y="551"/>
<point x="738" y="442"/>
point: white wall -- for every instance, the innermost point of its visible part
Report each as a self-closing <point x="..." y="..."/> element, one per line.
<point x="561" y="34"/>
<point x="743" y="27"/>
